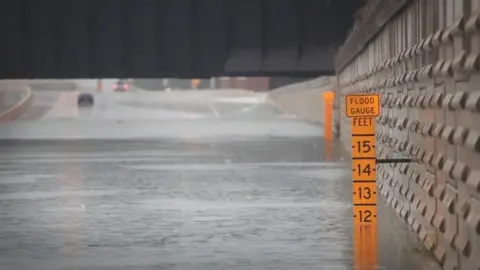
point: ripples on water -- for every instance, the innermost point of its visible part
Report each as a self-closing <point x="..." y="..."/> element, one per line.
<point x="213" y="214"/>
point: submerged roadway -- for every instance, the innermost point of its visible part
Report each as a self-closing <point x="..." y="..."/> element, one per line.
<point x="177" y="180"/>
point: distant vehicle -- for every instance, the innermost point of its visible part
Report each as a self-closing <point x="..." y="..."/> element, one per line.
<point x="120" y="86"/>
<point x="85" y="100"/>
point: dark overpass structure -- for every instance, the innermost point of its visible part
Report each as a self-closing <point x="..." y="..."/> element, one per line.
<point x="171" y="38"/>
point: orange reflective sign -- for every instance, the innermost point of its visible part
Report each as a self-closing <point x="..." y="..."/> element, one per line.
<point x="362" y="110"/>
<point x="364" y="170"/>
<point x="363" y="125"/>
<point x="362" y="105"/>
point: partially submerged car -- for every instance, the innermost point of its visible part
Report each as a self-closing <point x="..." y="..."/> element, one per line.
<point x="120" y="86"/>
<point x="85" y="100"/>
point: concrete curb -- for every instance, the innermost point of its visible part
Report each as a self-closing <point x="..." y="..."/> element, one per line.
<point x="271" y="101"/>
<point x="284" y="109"/>
<point x="18" y="109"/>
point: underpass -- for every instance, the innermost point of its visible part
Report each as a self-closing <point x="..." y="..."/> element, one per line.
<point x="421" y="57"/>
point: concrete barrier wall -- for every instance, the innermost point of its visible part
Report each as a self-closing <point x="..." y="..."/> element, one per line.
<point x="303" y="99"/>
<point x="425" y="65"/>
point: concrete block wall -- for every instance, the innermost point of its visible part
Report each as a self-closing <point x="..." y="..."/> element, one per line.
<point x="425" y="64"/>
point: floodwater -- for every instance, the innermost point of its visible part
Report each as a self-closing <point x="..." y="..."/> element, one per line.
<point x="178" y="181"/>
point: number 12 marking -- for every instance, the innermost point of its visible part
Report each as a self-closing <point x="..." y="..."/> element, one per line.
<point x="365" y="214"/>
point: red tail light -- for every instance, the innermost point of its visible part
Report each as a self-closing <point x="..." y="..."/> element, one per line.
<point x="115" y="86"/>
<point x="126" y="86"/>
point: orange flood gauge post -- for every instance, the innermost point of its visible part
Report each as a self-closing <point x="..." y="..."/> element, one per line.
<point x="362" y="109"/>
<point x="99" y="85"/>
<point x="328" y="103"/>
<point x="328" y="98"/>
<point x="195" y="83"/>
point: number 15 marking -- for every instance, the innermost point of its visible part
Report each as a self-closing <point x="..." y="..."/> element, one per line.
<point x="363" y="146"/>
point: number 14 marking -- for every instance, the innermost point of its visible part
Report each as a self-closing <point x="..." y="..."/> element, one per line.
<point x="364" y="169"/>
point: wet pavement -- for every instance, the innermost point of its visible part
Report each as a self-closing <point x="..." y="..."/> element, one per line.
<point x="213" y="182"/>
